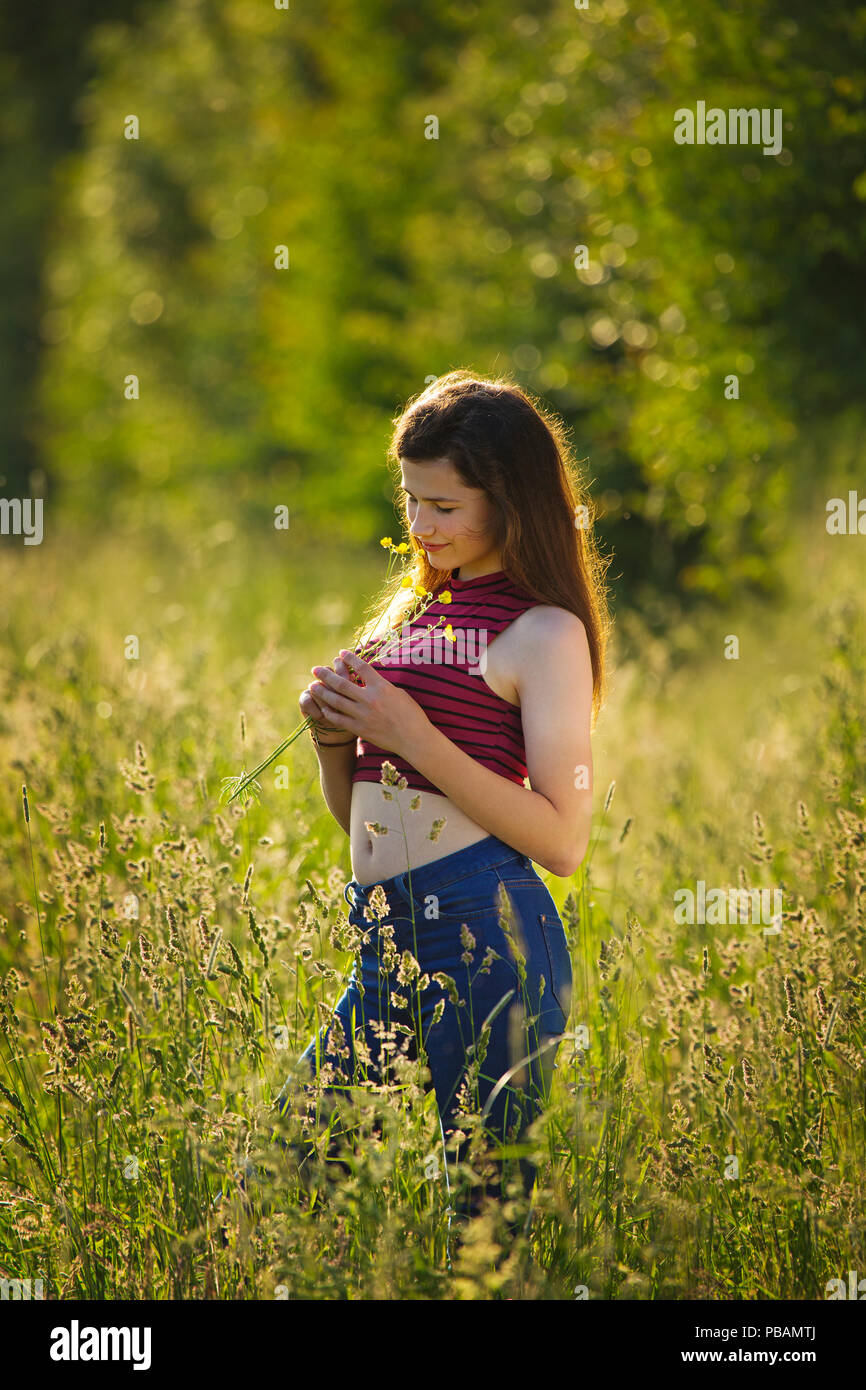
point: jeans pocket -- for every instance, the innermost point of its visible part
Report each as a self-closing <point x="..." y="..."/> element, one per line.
<point x="468" y="900"/>
<point x="560" y="981"/>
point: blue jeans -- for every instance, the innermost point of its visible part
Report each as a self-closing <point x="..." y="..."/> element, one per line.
<point x="451" y="896"/>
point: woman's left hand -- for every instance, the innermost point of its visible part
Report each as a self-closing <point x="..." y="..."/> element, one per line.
<point x="377" y="711"/>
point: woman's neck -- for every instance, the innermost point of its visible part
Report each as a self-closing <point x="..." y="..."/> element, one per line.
<point x="477" y="569"/>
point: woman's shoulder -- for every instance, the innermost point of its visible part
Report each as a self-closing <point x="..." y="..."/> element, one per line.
<point x="541" y="634"/>
<point x="546" y="638"/>
<point x="545" y="622"/>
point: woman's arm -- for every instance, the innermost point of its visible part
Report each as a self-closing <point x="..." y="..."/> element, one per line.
<point x="336" y="765"/>
<point x="551" y="822"/>
<point x="336" y="759"/>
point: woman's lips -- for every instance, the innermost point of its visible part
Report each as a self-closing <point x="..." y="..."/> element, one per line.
<point x="434" y="547"/>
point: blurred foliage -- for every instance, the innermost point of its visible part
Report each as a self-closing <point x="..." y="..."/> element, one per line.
<point x="305" y="128"/>
<point x="45" y="60"/>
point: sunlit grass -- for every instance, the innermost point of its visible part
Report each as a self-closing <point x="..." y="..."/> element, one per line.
<point x="165" y="958"/>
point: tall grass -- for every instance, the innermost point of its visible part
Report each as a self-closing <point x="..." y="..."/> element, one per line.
<point x="165" y="958"/>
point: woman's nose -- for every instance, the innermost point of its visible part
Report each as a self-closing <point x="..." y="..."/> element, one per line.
<point x="417" y="530"/>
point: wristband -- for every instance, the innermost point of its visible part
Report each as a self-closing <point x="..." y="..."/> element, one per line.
<point x="338" y="743"/>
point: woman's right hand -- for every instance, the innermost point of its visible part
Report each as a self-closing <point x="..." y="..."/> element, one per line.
<point x="310" y="709"/>
<point x="313" y="710"/>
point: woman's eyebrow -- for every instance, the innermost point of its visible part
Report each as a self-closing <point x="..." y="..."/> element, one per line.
<point x="430" y="499"/>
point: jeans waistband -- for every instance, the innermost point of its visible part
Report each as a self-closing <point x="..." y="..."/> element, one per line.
<point x="488" y="853"/>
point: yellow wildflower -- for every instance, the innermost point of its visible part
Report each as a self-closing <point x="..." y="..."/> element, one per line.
<point x="387" y="542"/>
<point x="402" y="547"/>
<point x="444" y="597"/>
<point x="406" y="581"/>
<point x="449" y="633"/>
<point x="421" y="591"/>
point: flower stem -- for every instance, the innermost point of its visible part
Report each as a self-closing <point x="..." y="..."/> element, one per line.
<point x="276" y="753"/>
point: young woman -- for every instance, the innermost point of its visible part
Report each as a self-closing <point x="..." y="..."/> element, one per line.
<point x="496" y="527"/>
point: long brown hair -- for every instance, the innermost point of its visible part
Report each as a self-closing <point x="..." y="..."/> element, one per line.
<point x="501" y="441"/>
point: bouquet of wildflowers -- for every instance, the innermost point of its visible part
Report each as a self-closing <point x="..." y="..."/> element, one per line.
<point x="245" y="785"/>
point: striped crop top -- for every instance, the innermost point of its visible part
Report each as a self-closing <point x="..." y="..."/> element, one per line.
<point x="446" y="678"/>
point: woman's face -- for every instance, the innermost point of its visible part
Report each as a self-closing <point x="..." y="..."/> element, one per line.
<point x="453" y="522"/>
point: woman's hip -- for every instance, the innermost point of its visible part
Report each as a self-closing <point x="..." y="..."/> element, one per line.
<point x="464" y="883"/>
<point x="453" y="913"/>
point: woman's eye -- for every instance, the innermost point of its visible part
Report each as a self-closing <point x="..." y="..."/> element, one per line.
<point x="411" y="502"/>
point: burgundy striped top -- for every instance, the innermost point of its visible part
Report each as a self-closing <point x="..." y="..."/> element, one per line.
<point x="446" y="678"/>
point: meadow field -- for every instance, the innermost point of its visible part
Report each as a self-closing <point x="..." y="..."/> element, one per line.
<point x="165" y="956"/>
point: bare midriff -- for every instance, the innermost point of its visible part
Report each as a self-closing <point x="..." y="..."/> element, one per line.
<point x="407" y="843"/>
